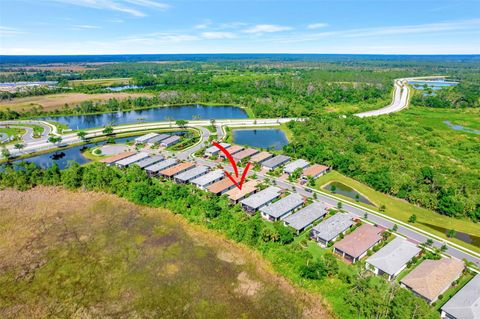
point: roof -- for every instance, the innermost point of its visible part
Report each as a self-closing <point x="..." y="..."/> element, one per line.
<point x="432" y="277"/>
<point x="262" y="197"/>
<point x="291" y="167"/>
<point x="214" y="149"/>
<point x="208" y="178"/>
<point x="132" y="159"/>
<point x="161" y="166"/>
<point x="466" y="302"/>
<point x="260" y="157"/>
<point x="393" y="256"/>
<point x="314" y="170"/>
<point x="149" y="161"/>
<point x="245" y="153"/>
<point x="359" y="241"/>
<point x="176" y="169"/>
<point x="247" y="188"/>
<point x="283" y="206"/>
<point x="170" y="140"/>
<point x="234" y="149"/>
<point x="306" y="216"/>
<point x="276" y="161"/>
<point x="220" y="186"/>
<point x="191" y="173"/>
<point x="145" y="137"/>
<point x="157" y="139"/>
<point x="333" y="226"/>
<point x="117" y="157"/>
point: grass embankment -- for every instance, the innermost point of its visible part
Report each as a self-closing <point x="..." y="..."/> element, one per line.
<point x="108" y="257"/>
<point x="402" y="210"/>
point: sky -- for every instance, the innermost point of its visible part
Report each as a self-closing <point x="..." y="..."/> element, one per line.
<point x="57" y="27"/>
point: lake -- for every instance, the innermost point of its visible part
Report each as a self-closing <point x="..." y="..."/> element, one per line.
<point x="185" y="112"/>
<point x="345" y="190"/>
<point x="264" y="138"/>
<point x="122" y="88"/>
<point x="434" y="85"/>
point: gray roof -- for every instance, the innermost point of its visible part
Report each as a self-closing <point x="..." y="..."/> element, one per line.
<point x="396" y="254"/>
<point x="291" y="167"/>
<point x="276" y="161"/>
<point x="132" y="159"/>
<point x="162" y="165"/>
<point x="208" y="178"/>
<point x="262" y="197"/>
<point x="333" y="226"/>
<point x="149" y="161"/>
<point x="465" y="304"/>
<point x="213" y="149"/>
<point x="171" y="140"/>
<point x="157" y="139"/>
<point x="283" y="206"/>
<point x="306" y="216"/>
<point x="191" y="173"/>
<point x="145" y="137"/>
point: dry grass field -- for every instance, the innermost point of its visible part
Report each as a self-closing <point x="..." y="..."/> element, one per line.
<point x="101" y="82"/>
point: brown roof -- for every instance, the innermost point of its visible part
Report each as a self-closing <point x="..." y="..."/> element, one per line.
<point x="169" y="172"/>
<point x="432" y="277"/>
<point x="360" y="240"/>
<point x="314" y="170"/>
<point x="247" y="188"/>
<point x="220" y="186"/>
<point x="233" y="149"/>
<point x="114" y="158"/>
<point x="244" y="154"/>
<point x="261" y="157"/>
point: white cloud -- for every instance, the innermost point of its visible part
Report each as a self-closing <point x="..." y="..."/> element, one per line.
<point x="204" y="25"/>
<point x="267" y="28"/>
<point x="150" y="4"/>
<point x="118" y="5"/>
<point x="218" y="35"/>
<point x="318" y="25"/>
<point x="9" y="32"/>
<point x="86" y="26"/>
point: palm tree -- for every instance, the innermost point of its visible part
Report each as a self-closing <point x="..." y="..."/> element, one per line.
<point x="82" y="135"/>
<point x="108" y="130"/>
<point x="19" y="146"/>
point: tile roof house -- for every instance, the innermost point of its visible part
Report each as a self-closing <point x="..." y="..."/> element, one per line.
<point x="306" y="216"/>
<point x="256" y="201"/>
<point x="261" y="157"/>
<point x="235" y="194"/>
<point x="208" y="179"/>
<point x="213" y="150"/>
<point x="329" y="229"/>
<point x="465" y="304"/>
<point x="112" y="159"/>
<point x="233" y="149"/>
<point x="282" y="208"/>
<point x="131" y="159"/>
<point x="356" y="244"/>
<point x="314" y="171"/>
<point x="293" y="166"/>
<point x="149" y="161"/>
<point x="190" y="174"/>
<point x="222" y="186"/>
<point x="177" y="169"/>
<point x="392" y="258"/>
<point x="433" y="277"/>
<point x="244" y="154"/>
<point x="275" y="162"/>
<point x="153" y="170"/>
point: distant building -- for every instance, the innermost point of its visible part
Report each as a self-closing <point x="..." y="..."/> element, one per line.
<point x="244" y="154"/>
<point x="191" y="174"/>
<point x="222" y="186"/>
<point x="177" y="169"/>
<point x="235" y="194"/>
<point x="261" y="157"/>
<point x="314" y="171"/>
<point x="142" y="139"/>
<point x="293" y="166"/>
<point x="393" y="258"/>
<point x="154" y="169"/>
<point x="306" y="216"/>
<point x="208" y="179"/>
<point x="213" y="150"/>
<point x="465" y="304"/>
<point x="256" y="201"/>
<point x="123" y="163"/>
<point x="329" y="229"/>
<point x="356" y="244"/>
<point x="115" y="158"/>
<point x="282" y="208"/>
<point x="149" y="161"/>
<point x="170" y="141"/>
<point x="275" y="162"/>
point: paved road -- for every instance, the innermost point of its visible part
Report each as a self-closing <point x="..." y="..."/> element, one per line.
<point x="399" y="101"/>
<point x="28" y="136"/>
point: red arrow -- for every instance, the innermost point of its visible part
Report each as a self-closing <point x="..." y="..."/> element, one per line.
<point x="234" y="165"/>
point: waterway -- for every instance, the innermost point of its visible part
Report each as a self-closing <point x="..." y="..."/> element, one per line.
<point x="263" y="138"/>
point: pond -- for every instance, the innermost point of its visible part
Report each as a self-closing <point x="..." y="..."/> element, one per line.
<point x="122" y="88"/>
<point x="467" y="238"/>
<point x="264" y="138"/>
<point x="342" y="189"/>
<point x="185" y="112"/>
<point x="434" y="85"/>
<point x="461" y="128"/>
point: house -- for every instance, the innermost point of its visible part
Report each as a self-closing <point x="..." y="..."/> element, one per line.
<point x="244" y="154"/>
<point x="356" y="244"/>
<point x="258" y="200"/>
<point x="177" y="169"/>
<point x="213" y="150"/>
<point x="112" y="159"/>
<point x="142" y="139"/>
<point x="314" y="171"/>
<point x="154" y="169"/>
<point x="261" y="157"/>
<point x="170" y="141"/>
<point x="393" y="258"/>
<point x="191" y="174"/>
<point x="306" y="216"/>
<point x="293" y="166"/>
<point x="329" y="229"/>
<point x="232" y="150"/>
<point x="282" y="208"/>
<point x="465" y="303"/>
<point x="275" y="162"/>
<point x="156" y="139"/>
<point x="432" y="278"/>
<point x="131" y="160"/>
<point x="236" y="194"/>
<point x="208" y="179"/>
<point x="222" y="186"/>
<point x="149" y="161"/>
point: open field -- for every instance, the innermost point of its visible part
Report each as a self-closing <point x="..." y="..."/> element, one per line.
<point x="402" y="210"/>
<point x="54" y="102"/>
<point x="111" y="258"/>
<point x="100" y="82"/>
